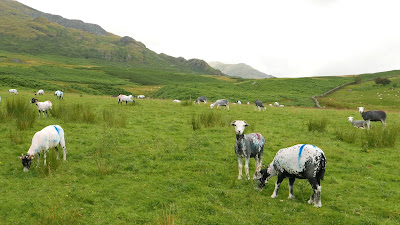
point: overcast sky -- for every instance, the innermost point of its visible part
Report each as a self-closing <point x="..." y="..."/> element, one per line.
<point x="292" y="38"/>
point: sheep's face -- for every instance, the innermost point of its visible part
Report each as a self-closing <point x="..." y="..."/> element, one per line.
<point x="361" y="109"/>
<point x="260" y="177"/>
<point x="211" y="106"/>
<point x="26" y="161"/>
<point x="34" y="100"/>
<point x="239" y="126"/>
<point x="350" y="118"/>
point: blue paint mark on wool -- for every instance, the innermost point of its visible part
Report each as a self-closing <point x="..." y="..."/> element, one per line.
<point x="58" y="132"/>
<point x="300" y="151"/>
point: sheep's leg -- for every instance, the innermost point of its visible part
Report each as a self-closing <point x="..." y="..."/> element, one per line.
<point x="291" y="183"/>
<point x="316" y="197"/>
<point x="383" y="123"/>
<point x="246" y="167"/>
<point x="62" y="143"/>
<point x="368" y="124"/>
<point x="277" y="185"/>
<point x="39" y="112"/>
<point x="38" y="160"/>
<point x="45" y="156"/>
<point x="57" y="152"/>
<point x="257" y="164"/>
<point x="240" y="166"/>
<point x="227" y="106"/>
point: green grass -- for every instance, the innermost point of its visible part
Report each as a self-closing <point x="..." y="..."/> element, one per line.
<point x="155" y="168"/>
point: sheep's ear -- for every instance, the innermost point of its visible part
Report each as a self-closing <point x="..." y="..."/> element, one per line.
<point x="22" y="156"/>
<point x="30" y="157"/>
<point x="245" y="123"/>
<point x="233" y="123"/>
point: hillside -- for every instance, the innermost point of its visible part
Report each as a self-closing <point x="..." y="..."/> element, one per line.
<point x="239" y="70"/>
<point x="26" y="30"/>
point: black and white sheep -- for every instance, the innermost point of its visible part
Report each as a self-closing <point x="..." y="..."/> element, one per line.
<point x="125" y="98"/>
<point x="49" y="137"/>
<point x="42" y="106"/>
<point x="60" y="94"/>
<point x="220" y="102"/>
<point x="369" y="116"/>
<point x="40" y="92"/>
<point x="140" y="97"/>
<point x="247" y="146"/>
<point x="201" y="99"/>
<point x="300" y="161"/>
<point x="259" y="104"/>
<point x="13" y="91"/>
<point x="362" y="124"/>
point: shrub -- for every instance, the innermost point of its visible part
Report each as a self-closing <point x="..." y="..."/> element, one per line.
<point x="317" y="124"/>
<point x="21" y="111"/>
<point x="348" y="136"/>
<point x="383" y="81"/>
<point x="378" y="138"/>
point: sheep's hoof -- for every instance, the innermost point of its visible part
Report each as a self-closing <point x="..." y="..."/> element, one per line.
<point x="239" y="177"/>
<point x="291" y="197"/>
<point x="318" y="205"/>
<point x="273" y="196"/>
<point x="310" y="201"/>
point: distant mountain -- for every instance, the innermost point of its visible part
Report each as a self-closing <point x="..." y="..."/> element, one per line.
<point x="26" y="30"/>
<point x="239" y="70"/>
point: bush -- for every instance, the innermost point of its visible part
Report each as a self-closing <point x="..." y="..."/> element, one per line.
<point x="22" y="112"/>
<point x="378" y="138"/>
<point x="383" y="81"/>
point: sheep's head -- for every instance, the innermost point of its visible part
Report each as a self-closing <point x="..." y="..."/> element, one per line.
<point x="350" y="118"/>
<point x="212" y="105"/>
<point x="261" y="177"/>
<point x="26" y="161"/>
<point x="361" y="109"/>
<point x="239" y="126"/>
<point x="34" y="100"/>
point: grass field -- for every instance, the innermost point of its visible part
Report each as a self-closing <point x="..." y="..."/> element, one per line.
<point x="145" y="164"/>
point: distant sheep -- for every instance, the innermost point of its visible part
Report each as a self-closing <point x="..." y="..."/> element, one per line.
<point x="238" y="102"/>
<point x="259" y="104"/>
<point x="299" y="161"/>
<point x="276" y="104"/>
<point x="220" y="102"/>
<point x="140" y="97"/>
<point x="49" y="137"/>
<point x="176" y="101"/>
<point x="201" y="99"/>
<point x="247" y="146"/>
<point x="362" y="124"/>
<point x="40" y="92"/>
<point x="125" y="98"/>
<point x="60" y="94"/>
<point x="13" y="91"/>
<point x="42" y="106"/>
<point x="373" y="116"/>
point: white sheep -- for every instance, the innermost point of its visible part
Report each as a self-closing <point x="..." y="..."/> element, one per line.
<point x="13" y="91"/>
<point x="60" y="94"/>
<point x="42" y="106"/>
<point x="281" y="105"/>
<point x="140" y="97"/>
<point x="124" y="98"/>
<point x="49" y="137"/>
<point x="220" y="102"/>
<point x="276" y="104"/>
<point x="300" y="161"/>
<point x="362" y="124"/>
<point x="40" y="92"/>
<point x="177" y="101"/>
<point x="247" y="146"/>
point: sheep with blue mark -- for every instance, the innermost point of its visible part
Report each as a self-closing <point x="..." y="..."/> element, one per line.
<point x="49" y="137"/>
<point x="362" y="124"/>
<point x="369" y="116"/>
<point x="13" y="91"/>
<point x="220" y="102"/>
<point x="300" y="161"/>
<point x="259" y="104"/>
<point x="42" y="106"/>
<point x="247" y="146"/>
<point x="60" y="94"/>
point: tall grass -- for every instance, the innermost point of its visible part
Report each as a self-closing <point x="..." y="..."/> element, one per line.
<point x="317" y="124"/>
<point x="52" y="163"/>
<point x="209" y="119"/>
<point x="348" y="136"/>
<point x="74" y="113"/>
<point x="187" y="103"/>
<point x="113" y="119"/>
<point x="22" y="112"/>
<point x="379" y="138"/>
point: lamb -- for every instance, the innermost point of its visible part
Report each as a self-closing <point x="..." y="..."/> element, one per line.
<point x="124" y="98"/>
<point x="42" y="106"/>
<point x="301" y="161"/>
<point x="13" y="91"/>
<point x="373" y="116"/>
<point x="276" y="104"/>
<point x="258" y="104"/>
<point x="362" y="124"/>
<point x="49" y="137"/>
<point x="201" y="99"/>
<point x="247" y="146"/>
<point x="220" y="102"/>
<point x="40" y="92"/>
<point x="60" y="94"/>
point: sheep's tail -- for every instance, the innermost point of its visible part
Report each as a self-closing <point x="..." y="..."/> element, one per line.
<point x="323" y="166"/>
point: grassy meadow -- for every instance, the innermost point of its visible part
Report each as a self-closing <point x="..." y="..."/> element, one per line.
<point x="159" y="162"/>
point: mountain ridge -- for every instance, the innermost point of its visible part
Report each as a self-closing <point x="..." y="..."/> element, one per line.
<point x="239" y="70"/>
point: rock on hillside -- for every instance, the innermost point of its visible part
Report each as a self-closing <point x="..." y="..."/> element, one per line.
<point x="239" y="70"/>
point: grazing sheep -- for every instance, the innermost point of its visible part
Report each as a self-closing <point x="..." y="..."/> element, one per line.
<point x="140" y="97"/>
<point x="60" y="94"/>
<point x="276" y="104"/>
<point x="177" y="101"/>
<point x="42" y="106"/>
<point x="40" y="92"/>
<point x="220" y="102"/>
<point x="247" y="146"/>
<point x="238" y="102"/>
<point x="201" y="99"/>
<point x="299" y="161"/>
<point x="373" y="116"/>
<point x="258" y="104"/>
<point x="13" y="91"/>
<point x="362" y="124"/>
<point x="281" y="105"/>
<point x="49" y="137"/>
<point x="124" y="98"/>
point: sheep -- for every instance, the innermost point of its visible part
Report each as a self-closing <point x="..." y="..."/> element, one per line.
<point x="281" y="105"/>
<point x="49" y="137"/>
<point x="124" y="98"/>
<point x="362" y="124"/>
<point x="238" y="102"/>
<point x="176" y="101"/>
<point x="13" y="91"/>
<point x="373" y="116"/>
<point x="42" y="106"/>
<point x="247" y="146"/>
<point x="276" y="104"/>
<point x="201" y="99"/>
<point x="301" y="161"/>
<point x="140" y="97"/>
<point x="258" y="104"/>
<point x="220" y="102"/>
<point x="60" y="94"/>
<point x="40" y="92"/>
